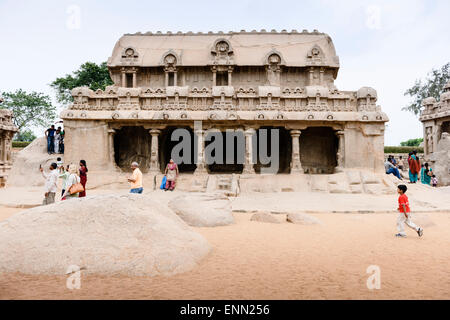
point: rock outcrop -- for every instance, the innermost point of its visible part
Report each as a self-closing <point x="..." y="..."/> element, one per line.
<point x="107" y="234"/>
<point x="25" y="169"/>
<point x="203" y="210"/>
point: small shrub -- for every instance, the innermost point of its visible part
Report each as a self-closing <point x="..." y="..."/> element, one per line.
<point x="20" y="144"/>
<point x="388" y="149"/>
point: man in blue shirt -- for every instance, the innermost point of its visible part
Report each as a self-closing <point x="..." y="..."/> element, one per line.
<point x="50" y="134"/>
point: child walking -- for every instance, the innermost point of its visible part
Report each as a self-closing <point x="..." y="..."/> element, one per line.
<point x="404" y="215"/>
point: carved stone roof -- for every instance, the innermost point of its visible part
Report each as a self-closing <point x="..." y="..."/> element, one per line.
<point x="297" y="49"/>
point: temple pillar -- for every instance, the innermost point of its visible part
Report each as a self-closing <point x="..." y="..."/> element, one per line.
<point x="134" y="79"/>
<point x="111" y="133"/>
<point x="249" y="161"/>
<point x="214" y="77"/>
<point x="341" y="151"/>
<point x="230" y="71"/>
<point x="124" y="79"/>
<point x="154" y="158"/>
<point x="201" y="166"/>
<point x="166" y="81"/>
<point x="296" y="166"/>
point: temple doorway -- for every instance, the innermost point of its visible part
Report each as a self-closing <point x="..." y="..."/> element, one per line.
<point x="225" y="155"/>
<point x="284" y="155"/>
<point x="318" y="150"/>
<point x="132" y="144"/>
<point x="445" y="127"/>
<point x="167" y="145"/>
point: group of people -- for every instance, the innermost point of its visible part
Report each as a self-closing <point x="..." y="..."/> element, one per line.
<point x="168" y="182"/>
<point x="74" y="181"/>
<point x="55" y="140"/>
<point x="416" y="170"/>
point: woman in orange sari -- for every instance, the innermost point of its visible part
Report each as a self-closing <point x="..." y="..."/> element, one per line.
<point x="414" y="167"/>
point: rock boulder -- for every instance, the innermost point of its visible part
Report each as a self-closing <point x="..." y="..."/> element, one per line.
<point x="105" y="234"/>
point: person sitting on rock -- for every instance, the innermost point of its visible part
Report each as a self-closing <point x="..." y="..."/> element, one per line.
<point x="391" y="169"/>
<point x="136" y="179"/>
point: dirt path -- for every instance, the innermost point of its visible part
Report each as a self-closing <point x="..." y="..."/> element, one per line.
<point x="252" y="260"/>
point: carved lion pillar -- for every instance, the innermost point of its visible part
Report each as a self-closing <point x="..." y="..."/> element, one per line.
<point x="249" y="161"/>
<point x="341" y="151"/>
<point x="201" y="166"/>
<point x="154" y="158"/>
<point x="296" y="166"/>
<point x="111" y="133"/>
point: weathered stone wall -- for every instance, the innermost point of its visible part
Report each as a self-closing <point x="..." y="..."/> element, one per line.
<point x="87" y="140"/>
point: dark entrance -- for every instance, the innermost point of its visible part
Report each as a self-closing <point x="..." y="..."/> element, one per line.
<point x="318" y="150"/>
<point x="166" y="146"/>
<point x="284" y="142"/>
<point x="223" y="159"/>
<point x="132" y="144"/>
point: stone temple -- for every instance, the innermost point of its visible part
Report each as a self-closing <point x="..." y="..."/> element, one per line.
<point x="436" y="132"/>
<point x="7" y="132"/>
<point x="246" y="81"/>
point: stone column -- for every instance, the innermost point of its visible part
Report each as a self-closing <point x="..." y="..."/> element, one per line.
<point x="296" y="166"/>
<point x="201" y="166"/>
<point x="230" y="71"/>
<point x="249" y="161"/>
<point x="154" y="158"/>
<point x="111" y="133"/>
<point x="124" y="79"/>
<point x="175" y="78"/>
<point x="214" y="77"/>
<point x="166" y="81"/>
<point x="134" y="80"/>
<point x="341" y="151"/>
<point x="2" y="147"/>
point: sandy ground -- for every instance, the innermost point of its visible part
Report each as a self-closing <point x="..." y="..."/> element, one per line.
<point x="252" y="260"/>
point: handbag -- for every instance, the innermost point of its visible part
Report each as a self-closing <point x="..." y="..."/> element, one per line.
<point x="163" y="183"/>
<point x="76" y="188"/>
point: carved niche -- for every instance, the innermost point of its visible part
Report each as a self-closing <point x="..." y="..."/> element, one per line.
<point x="170" y="61"/>
<point x="129" y="55"/>
<point x="273" y="62"/>
<point x="315" y="55"/>
<point x="222" y="52"/>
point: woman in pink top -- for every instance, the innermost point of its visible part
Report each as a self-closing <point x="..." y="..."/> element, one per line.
<point x="171" y="173"/>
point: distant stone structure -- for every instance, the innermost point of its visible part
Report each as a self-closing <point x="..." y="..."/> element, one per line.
<point x="436" y="134"/>
<point x="7" y="131"/>
<point x="244" y="81"/>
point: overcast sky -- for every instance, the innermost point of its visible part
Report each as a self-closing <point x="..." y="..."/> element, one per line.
<point x="385" y="44"/>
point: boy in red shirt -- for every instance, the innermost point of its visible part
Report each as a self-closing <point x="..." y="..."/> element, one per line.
<point x="404" y="215"/>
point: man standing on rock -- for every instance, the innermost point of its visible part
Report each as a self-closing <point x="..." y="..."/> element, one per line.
<point x="50" y="184"/>
<point x="136" y="179"/>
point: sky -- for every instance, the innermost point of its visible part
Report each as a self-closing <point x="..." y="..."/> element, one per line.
<point x="384" y="44"/>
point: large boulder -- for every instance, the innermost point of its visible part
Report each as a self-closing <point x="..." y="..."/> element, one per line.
<point x="264" y="217"/>
<point x="301" y="218"/>
<point x="107" y="234"/>
<point x="203" y="210"/>
<point x="25" y="169"/>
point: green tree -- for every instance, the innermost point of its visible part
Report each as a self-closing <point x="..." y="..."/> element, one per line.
<point x="430" y="87"/>
<point x="30" y="109"/>
<point x="412" y="142"/>
<point x="95" y="76"/>
<point x="25" y="135"/>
